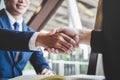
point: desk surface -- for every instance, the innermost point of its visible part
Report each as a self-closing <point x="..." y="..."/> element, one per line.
<point x="72" y="77"/>
<point x="85" y="77"/>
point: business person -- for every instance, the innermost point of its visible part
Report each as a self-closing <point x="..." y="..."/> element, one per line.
<point x="31" y="41"/>
<point x="106" y="40"/>
<point x="13" y="63"/>
<point x="43" y="42"/>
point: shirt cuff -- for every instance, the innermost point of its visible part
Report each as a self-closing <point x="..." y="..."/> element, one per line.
<point x="33" y="41"/>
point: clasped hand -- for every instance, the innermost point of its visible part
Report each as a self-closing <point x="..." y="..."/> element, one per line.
<point x="59" y="41"/>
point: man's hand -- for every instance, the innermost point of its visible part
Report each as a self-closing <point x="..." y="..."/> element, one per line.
<point x="81" y="36"/>
<point x="58" y="41"/>
<point x="46" y="72"/>
<point x="85" y="36"/>
<point x="73" y="35"/>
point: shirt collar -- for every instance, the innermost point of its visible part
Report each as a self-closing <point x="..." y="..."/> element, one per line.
<point x="12" y="19"/>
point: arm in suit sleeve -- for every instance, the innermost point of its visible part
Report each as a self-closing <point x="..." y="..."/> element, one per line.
<point x="97" y="41"/>
<point x="38" y="61"/>
<point x="14" y="40"/>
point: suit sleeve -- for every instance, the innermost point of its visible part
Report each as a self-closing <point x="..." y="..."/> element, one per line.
<point x="14" y="40"/>
<point x="97" y="41"/>
<point x="38" y="61"/>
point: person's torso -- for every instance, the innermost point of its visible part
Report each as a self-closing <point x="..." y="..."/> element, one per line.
<point x="6" y="60"/>
<point x="111" y="33"/>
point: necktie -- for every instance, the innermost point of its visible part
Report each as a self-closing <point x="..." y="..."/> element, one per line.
<point x="16" y="53"/>
<point x="16" y="26"/>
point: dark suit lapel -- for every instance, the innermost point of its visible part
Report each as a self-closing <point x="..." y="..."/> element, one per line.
<point x="26" y="28"/>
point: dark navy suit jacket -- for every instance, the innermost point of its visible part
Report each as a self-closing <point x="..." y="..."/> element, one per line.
<point x="14" y="40"/>
<point x="9" y="68"/>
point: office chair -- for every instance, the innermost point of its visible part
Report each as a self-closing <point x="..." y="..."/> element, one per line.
<point x="94" y="56"/>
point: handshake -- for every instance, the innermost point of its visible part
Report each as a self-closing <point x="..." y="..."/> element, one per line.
<point x="63" y="40"/>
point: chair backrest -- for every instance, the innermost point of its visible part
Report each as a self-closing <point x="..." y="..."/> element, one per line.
<point x="92" y="64"/>
<point x="94" y="56"/>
